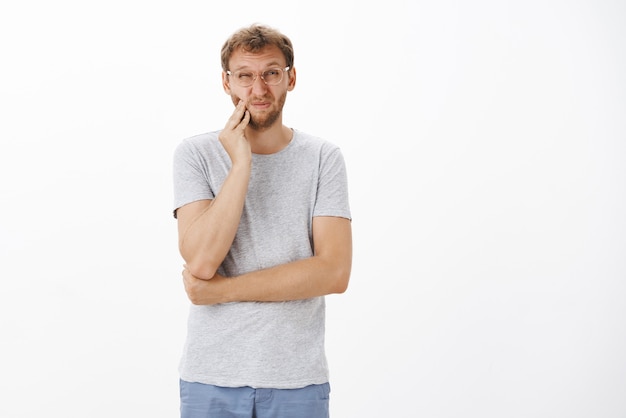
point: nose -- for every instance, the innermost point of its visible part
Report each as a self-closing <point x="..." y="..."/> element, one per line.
<point x="259" y="86"/>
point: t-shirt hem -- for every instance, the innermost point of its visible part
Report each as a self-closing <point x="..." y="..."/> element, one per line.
<point x="255" y="385"/>
<point x="334" y="214"/>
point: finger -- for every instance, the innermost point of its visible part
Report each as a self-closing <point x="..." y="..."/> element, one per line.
<point x="244" y="121"/>
<point x="237" y="115"/>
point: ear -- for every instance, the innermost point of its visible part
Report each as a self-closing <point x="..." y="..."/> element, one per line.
<point x="226" y="82"/>
<point x="292" y="79"/>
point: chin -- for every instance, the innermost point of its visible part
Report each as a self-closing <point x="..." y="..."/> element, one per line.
<point x="263" y="123"/>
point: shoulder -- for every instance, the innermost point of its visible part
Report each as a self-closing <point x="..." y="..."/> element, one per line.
<point x="314" y="143"/>
<point x="200" y="142"/>
<point x="199" y="146"/>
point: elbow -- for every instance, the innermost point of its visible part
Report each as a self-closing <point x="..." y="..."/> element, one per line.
<point x="341" y="285"/>
<point x="201" y="269"/>
<point x="340" y="281"/>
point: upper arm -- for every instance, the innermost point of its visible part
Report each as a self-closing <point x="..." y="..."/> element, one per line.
<point x="332" y="240"/>
<point x="186" y="215"/>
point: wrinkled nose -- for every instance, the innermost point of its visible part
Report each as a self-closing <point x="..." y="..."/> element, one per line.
<point x="258" y="86"/>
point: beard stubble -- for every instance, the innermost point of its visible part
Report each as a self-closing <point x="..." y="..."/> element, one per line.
<point x="263" y="123"/>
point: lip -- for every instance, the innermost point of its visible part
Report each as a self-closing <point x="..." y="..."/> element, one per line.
<point x="260" y="105"/>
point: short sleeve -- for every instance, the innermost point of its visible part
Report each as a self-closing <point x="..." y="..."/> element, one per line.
<point x="190" y="179"/>
<point x="332" y="190"/>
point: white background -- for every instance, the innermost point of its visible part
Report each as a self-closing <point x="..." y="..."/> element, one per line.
<point x="486" y="149"/>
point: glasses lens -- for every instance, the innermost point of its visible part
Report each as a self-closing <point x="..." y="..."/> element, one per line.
<point x="273" y="76"/>
<point x="244" y="78"/>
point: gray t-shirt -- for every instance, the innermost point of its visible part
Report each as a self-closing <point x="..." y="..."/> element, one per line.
<point x="262" y="344"/>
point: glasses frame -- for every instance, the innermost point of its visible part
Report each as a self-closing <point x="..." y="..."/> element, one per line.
<point x="256" y="75"/>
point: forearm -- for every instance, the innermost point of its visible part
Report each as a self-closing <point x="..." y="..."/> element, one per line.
<point x="302" y="279"/>
<point x="326" y="272"/>
<point x="206" y="238"/>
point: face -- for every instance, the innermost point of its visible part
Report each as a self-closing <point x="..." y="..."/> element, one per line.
<point x="265" y="103"/>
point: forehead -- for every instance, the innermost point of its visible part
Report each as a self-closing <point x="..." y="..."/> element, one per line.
<point x="269" y="55"/>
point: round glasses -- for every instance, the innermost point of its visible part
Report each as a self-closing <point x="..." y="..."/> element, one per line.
<point x="245" y="78"/>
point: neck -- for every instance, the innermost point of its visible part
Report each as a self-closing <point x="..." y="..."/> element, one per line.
<point x="269" y="140"/>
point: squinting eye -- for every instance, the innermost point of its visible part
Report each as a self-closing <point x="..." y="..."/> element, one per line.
<point x="244" y="76"/>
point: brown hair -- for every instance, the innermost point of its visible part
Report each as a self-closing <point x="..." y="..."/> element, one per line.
<point x="253" y="39"/>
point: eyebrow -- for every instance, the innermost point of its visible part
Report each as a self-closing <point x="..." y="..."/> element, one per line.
<point x="270" y="65"/>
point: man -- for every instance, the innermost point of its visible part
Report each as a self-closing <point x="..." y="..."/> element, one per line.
<point x="265" y="231"/>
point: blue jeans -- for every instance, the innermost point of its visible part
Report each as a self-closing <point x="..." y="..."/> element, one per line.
<point x="198" y="400"/>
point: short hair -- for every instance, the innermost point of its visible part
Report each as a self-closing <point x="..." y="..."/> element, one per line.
<point x="253" y="39"/>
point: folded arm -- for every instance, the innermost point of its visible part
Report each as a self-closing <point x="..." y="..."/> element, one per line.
<point x="207" y="228"/>
<point x="326" y="272"/>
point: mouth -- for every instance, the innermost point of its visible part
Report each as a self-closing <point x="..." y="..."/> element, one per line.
<point x="259" y="105"/>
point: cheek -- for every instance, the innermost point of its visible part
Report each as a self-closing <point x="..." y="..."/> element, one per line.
<point x="235" y="98"/>
<point x="238" y="95"/>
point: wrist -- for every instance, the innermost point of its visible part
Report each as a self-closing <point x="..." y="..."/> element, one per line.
<point x="242" y="164"/>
